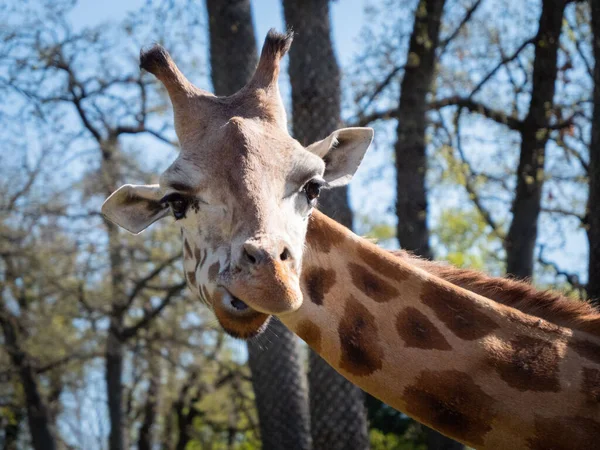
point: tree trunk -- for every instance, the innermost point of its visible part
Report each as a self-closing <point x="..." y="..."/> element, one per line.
<point x="146" y="436"/>
<point x="337" y="410"/>
<point x="277" y="373"/>
<point x="233" y="54"/>
<point x="280" y="388"/>
<point x="593" y="213"/>
<point x="522" y="234"/>
<point x="115" y="347"/>
<point x="114" y="385"/>
<point x="410" y="148"/>
<point x="183" y="409"/>
<point x="38" y="414"/>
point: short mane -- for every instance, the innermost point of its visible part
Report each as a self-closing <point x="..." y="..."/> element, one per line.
<point x="547" y="305"/>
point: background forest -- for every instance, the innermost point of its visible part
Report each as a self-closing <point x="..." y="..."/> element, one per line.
<point x="487" y="155"/>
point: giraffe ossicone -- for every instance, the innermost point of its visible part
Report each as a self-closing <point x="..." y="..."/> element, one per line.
<point x="488" y="374"/>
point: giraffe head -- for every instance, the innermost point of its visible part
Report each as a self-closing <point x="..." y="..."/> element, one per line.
<point x="241" y="190"/>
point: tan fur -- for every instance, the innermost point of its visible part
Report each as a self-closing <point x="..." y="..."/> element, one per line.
<point x="548" y="305"/>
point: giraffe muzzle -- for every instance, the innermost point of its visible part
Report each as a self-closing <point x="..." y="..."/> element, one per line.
<point x="273" y="287"/>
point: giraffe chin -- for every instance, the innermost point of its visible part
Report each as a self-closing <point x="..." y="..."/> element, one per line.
<point x="237" y="321"/>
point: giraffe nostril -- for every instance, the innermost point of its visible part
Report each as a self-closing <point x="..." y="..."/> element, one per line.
<point x="249" y="257"/>
<point x="285" y="255"/>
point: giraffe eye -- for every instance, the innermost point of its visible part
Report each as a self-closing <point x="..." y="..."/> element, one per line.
<point x="178" y="204"/>
<point x="312" y="190"/>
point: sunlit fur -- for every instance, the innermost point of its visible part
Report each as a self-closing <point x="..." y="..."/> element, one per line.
<point x="548" y="305"/>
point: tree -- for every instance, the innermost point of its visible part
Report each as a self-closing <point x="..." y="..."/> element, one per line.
<point x="593" y="208"/>
<point x="277" y="373"/>
<point x="38" y="346"/>
<point x="411" y="158"/>
<point x="526" y="206"/>
<point x="38" y="414"/>
<point x="338" y="416"/>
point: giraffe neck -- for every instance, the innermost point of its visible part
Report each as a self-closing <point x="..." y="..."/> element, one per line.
<point x="478" y="371"/>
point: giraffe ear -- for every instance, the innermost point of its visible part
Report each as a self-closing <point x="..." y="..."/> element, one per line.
<point x="135" y="207"/>
<point x="342" y="151"/>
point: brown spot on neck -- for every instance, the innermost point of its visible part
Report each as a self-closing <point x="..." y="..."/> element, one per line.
<point x="310" y="333"/>
<point x="590" y="387"/>
<point x="323" y="233"/>
<point x="362" y="352"/>
<point x="373" y="286"/>
<point x="527" y="364"/>
<point x="417" y="331"/>
<point x="383" y="262"/>
<point x="452" y="403"/>
<point x="564" y="433"/>
<point x="318" y="282"/>
<point x="586" y="349"/>
<point x="457" y="311"/>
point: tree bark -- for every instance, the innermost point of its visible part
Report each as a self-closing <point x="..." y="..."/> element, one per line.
<point x="522" y="234"/>
<point x="337" y="410"/>
<point x="39" y="417"/>
<point x="593" y="212"/>
<point x="410" y="148"/>
<point x="280" y="389"/>
<point x="114" y="384"/>
<point x="233" y="54"/>
<point x="146" y="436"/>
<point x="278" y="378"/>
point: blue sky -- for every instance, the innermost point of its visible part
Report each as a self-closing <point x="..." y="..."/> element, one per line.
<point x="347" y="17"/>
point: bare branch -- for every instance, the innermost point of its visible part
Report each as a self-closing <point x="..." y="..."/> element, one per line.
<point x="444" y="44"/>
<point x="150" y="315"/>
<point x="382" y="85"/>
<point x="142" y="283"/>
<point x="562" y="212"/>
<point x="514" y="123"/>
<point x="500" y="64"/>
<point x="571" y="278"/>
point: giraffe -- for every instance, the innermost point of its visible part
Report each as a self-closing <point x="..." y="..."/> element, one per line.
<point x="489" y="373"/>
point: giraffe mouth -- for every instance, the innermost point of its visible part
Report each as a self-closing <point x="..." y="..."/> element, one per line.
<point x="236" y="317"/>
<point x="234" y="303"/>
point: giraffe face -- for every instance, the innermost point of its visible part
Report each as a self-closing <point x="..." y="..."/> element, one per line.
<point x="242" y="202"/>
<point x="241" y="191"/>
